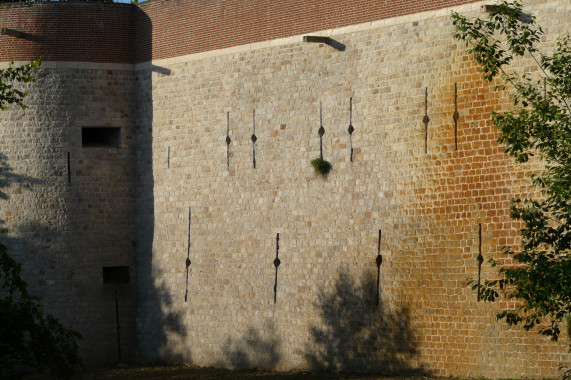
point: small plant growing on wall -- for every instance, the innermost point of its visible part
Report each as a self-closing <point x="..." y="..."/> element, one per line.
<point x="321" y="166"/>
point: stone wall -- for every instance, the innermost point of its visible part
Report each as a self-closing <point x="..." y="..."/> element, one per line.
<point x="65" y="226"/>
<point x="428" y="204"/>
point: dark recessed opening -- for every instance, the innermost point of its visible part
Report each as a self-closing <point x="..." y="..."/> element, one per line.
<point x="101" y="137"/>
<point x="115" y="275"/>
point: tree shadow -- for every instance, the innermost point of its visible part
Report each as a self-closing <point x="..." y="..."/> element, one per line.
<point x="165" y="332"/>
<point x="160" y="329"/>
<point x="255" y="349"/>
<point x="53" y="270"/>
<point x="359" y="336"/>
<point x="8" y="178"/>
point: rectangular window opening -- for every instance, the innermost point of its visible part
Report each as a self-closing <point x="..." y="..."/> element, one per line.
<point x="116" y="275"/>
<point x="106" y="137"/>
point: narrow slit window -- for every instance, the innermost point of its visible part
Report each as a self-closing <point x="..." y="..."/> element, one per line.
<point x="116" y="275"/>
<point x="105" y="137"/>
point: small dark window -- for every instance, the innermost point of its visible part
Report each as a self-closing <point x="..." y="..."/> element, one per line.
<point x="115" y="275"/>
<point x="101" y="137"/>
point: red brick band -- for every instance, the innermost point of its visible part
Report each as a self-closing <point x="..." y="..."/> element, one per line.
<point x="158" y="29"/>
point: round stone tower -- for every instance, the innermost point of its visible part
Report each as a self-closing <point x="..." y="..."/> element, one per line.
<point x="68" y="168"/>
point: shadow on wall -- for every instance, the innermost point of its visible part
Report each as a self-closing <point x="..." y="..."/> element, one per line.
<point x="159" y="326"/>
<point x="253" y="350"/>
<point x="37" y="229"/>
<point x="8" y="178"/>
<point x="161" y="333"/>
<point x="167" y="335"/>
<point x="359" y="336"/>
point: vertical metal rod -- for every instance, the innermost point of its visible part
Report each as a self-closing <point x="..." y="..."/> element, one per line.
<point x="187" y="262"/>
<point x="118" y="327"/>
<point x="320" y="128"/>
<point x="276" y="264"/>
<point x="351" y="149"/>
<point x="351" y="129"/>
<point x="228" y="140"/>
<point x="188" y="241"/>
<point x="425" y="120"/>
<point x="350" y="111"/>
<point x="69" y="168"/>
<point x="276" y="287"/>
<point x="456" y="116"/>
<point x="169" y="157"/>
<point x="379" y="261"/>
<point x="480" y="258"/>
<point x="254" y="137"/>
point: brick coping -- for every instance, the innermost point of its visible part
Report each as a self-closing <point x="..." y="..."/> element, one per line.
<point x="255" y="45"/>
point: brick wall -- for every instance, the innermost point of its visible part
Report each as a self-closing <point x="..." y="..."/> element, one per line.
<point x="122" y="33"/>
<point x="185" y="27"/>
<point x="84" y="32"/>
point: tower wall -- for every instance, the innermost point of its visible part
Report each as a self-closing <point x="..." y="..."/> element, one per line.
<point x="62" y="222"/>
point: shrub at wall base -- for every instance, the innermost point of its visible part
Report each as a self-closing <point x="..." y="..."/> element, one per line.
<point x="30" y="341"/>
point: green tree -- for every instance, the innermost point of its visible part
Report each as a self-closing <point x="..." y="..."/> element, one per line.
<point x="10" y="80"/>
<point x="539" y="279"/>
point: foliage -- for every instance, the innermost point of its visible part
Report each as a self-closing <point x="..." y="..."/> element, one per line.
<point x="539" y="279"/>
<point x="10" y="77"/>
<point x="321" y="166"/>
<point x="28" y="339"/>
